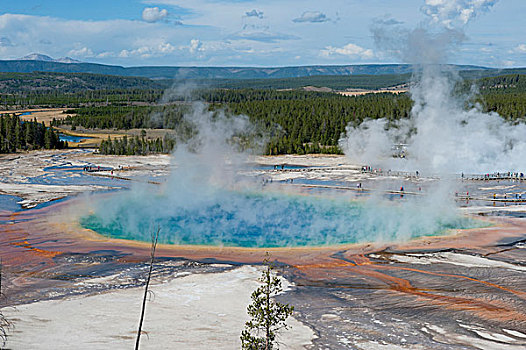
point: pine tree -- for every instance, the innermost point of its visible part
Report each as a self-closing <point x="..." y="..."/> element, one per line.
<point x="267" y="315"/>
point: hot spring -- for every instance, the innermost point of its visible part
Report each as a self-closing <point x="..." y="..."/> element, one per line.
<point x="212" y="197"/>
<point x="264" y="219"/>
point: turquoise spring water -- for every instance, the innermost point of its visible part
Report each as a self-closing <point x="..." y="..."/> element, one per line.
<point x="227" y="218"/>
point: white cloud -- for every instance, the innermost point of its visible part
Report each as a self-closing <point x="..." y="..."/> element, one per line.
<point x="195" y="46"/>
<point x="223" y="39"/>
<point x="349" y="50"/>
<point x="508" y="63"/>
<point x="312" y="17"/>
<point x="521" y="48"/>
<point x="454" y="13"/>
<point x="105" y="54"/>
<point x="153" y="14"/>
<point x="110" y="41"/>
<point x="254" y="13"/>
<point x="82" y="52"/>
<point x="160" y="49"/>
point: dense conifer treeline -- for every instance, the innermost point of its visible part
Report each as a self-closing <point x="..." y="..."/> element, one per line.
<point x="127" y="117"/>
<point x="26" y="135"/>
<point x="136" y="146"/>
<point x="315" y="125"/>
<point x="296" y="121"/>
<point x="58" y="99"/>
<point x="42" y="82"/>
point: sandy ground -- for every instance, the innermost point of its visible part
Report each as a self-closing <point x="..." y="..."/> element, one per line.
<point x="306" y="160"/>
<point x="200" y="311"/>
<point x="93" y="139"/>
<point x="96" y="136"/>
<point x="45" y="115"/>
<point x="365" y="92"/>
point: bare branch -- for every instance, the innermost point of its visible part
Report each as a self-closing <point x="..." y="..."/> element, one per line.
<point x="155" y="237"/>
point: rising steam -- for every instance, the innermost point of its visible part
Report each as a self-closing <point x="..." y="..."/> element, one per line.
<point x="205" y="201"/>
<point x="441" y="135"/>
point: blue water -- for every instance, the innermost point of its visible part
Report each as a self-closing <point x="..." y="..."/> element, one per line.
<point x="9" y="203"/>
<point x="25" y="113"/>
<point x="228" y="218"/>
<point x="71" y="138"/>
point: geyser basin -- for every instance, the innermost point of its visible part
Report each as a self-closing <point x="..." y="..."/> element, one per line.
<point x="241" y="219"/>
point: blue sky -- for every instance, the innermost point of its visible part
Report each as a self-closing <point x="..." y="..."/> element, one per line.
<point x="254" y="32"/>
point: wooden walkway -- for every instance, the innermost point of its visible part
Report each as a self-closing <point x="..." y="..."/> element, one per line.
<point x="494" y="177"/>
<point x="401" y="193"/>
<point x="357" y="189"/>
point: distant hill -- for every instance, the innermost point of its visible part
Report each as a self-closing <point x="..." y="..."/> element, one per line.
<point x="45" y="58"/>
<point x="37" y="57"/>
<point x="42" y="63"/>
<point x="42" y="82"/>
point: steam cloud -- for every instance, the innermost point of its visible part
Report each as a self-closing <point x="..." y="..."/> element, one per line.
<point x="442" y="136"/>
<point x="205" y="200"/>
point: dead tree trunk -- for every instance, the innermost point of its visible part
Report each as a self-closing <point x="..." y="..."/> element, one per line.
<point x="155" y="236"/>
<point x="4" y="323"/>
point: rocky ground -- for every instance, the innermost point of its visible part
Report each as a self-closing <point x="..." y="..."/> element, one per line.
<point x="465" y="292"/>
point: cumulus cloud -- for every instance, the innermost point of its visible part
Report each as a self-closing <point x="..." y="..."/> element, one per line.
<point x="154" y="14"/>
<point x="521" y="48"/>
<point x="254" y="13"/>
<point x="455" y="13"/>
<point x="312" y="17"/>
<point x="105" y="54"/>
<point x="81" y="52"/>
<point x="117" y="39"/>
<point x="350" y="50"/>
<point x="195" y="46"/>
<point x="147" y="51"/>
<point x="508" y="63"/>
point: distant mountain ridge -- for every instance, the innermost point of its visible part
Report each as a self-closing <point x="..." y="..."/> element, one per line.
<point x="46" y="58"/>
<point x="43" y="63"/>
